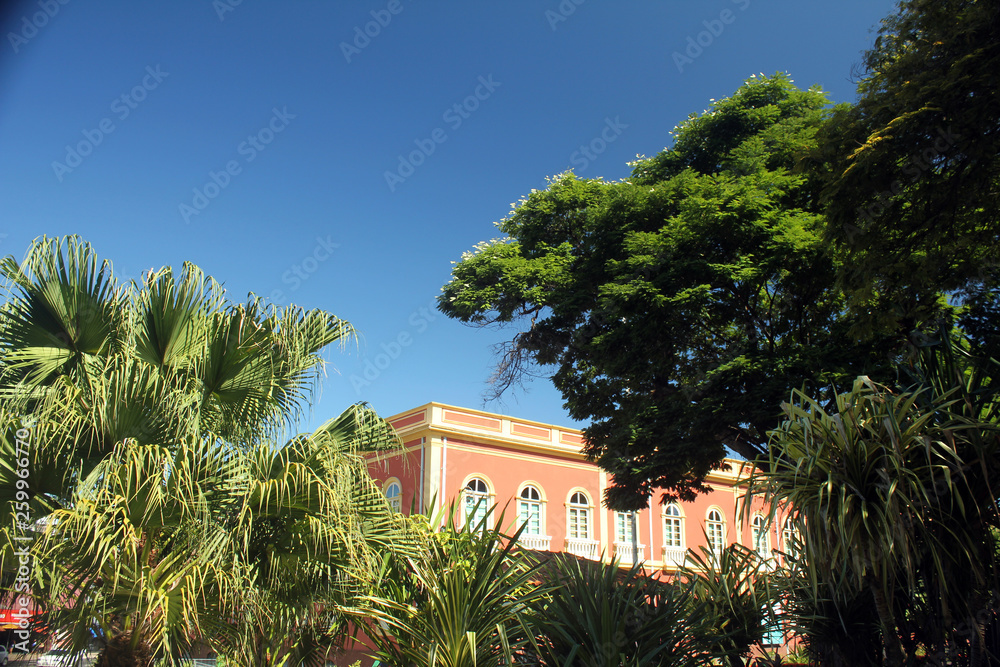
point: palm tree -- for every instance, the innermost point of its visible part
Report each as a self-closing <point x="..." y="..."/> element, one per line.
<point x="250" y="552"/>
<point x="315" y="527"/>
<point x="157" y="473"/>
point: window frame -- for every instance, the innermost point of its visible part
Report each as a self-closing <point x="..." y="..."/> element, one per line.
<point x="583" y="509"/>
<point x="676" y="519"/>
<point x="626" y="534"/>
<point x="483" y="505"/>
<point x="395" y="501"/>
<point x="538" y="503"/>
<point x="790" y="534"/>
<point x="716" y="527"/>
<point x="759" y="531"/>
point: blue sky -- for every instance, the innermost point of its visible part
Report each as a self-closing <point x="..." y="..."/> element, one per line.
<point x="340" y="155"/>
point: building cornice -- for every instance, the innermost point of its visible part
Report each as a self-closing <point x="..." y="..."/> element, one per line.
<point x="435" y="421"/>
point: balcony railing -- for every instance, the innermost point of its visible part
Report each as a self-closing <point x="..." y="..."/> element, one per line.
<point x="582" y="548"/>
<point x="624" y="553"/>
<point x="673" y="556"/>
<point x="534" y="542"/>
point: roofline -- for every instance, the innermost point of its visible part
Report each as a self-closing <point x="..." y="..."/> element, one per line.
<point x="485" y="413"/>
<point x="537" y="446"/>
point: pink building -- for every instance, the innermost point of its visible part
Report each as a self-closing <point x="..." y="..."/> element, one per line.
<point x="537" y="472"/>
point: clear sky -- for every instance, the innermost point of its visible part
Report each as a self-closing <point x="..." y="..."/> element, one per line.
<point x="341" y="154"/>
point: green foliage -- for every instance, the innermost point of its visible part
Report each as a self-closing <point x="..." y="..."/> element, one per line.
<point x="677" y="308"/>
<point x="603" y="615"/>
<point x="891" y="496"/>
<point x="838" y="627"/>
<point x="912" y="195"/>
<point x="120" y="653"/>
<point x="164" y="506"/>
<point x="463" y="601"/>
<point x="731" y="592"/>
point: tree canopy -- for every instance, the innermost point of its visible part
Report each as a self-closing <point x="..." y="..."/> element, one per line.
<point x="913" y="173"/>
<point x="678" y="306"/>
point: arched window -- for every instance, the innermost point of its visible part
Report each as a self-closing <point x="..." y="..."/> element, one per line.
<point x="716" y="528"/>
<point x="529" y="509"/>
<point x="477" y="503"/>
<point x="761" y="540"/>
<point x="394" y="494"/>
<point x="673" y="527"/>
<point x="578" y="519"/>
<point x="790" y="538"/>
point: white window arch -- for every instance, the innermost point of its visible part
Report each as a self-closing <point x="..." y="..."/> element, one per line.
<point x="760" y="537"/>
<point x="673" y="527"/>
<point x="476" y="503"/>
<point x="715" y="527"/>
<point x="394" y="494"/>
<point x="578" y="516"/>
<point x="529" y="510"/>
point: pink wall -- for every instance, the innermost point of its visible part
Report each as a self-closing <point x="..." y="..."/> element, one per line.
<point x="508" y="453"/>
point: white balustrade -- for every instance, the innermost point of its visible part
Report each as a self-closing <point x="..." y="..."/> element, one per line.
<point x="674" y="556"/>
<point x="534" y="542"/>
<point x="582" y="548"/>
<point x="624" y="553"/>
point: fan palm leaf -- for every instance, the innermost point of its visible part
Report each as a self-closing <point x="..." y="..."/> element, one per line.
<point x="167" y="503"/>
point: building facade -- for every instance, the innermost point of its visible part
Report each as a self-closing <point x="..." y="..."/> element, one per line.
<point x="536" y="475"/>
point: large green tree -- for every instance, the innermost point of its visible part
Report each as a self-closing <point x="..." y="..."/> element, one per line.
<point x="677" y="307"/>
<point x="160" y="500"/>
<point x="913" y="192"/>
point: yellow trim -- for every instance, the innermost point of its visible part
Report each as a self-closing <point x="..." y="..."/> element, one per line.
<point x="719" y="510"/>
<point x="390" y="481"/>
<point x="493" y="415"/>
<point x="498" y="429"/>
<point x="385" y="456"/>
<point x="516" y="457"/>
<point x="434" y="421"/>
<point x="607" y="552"/>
